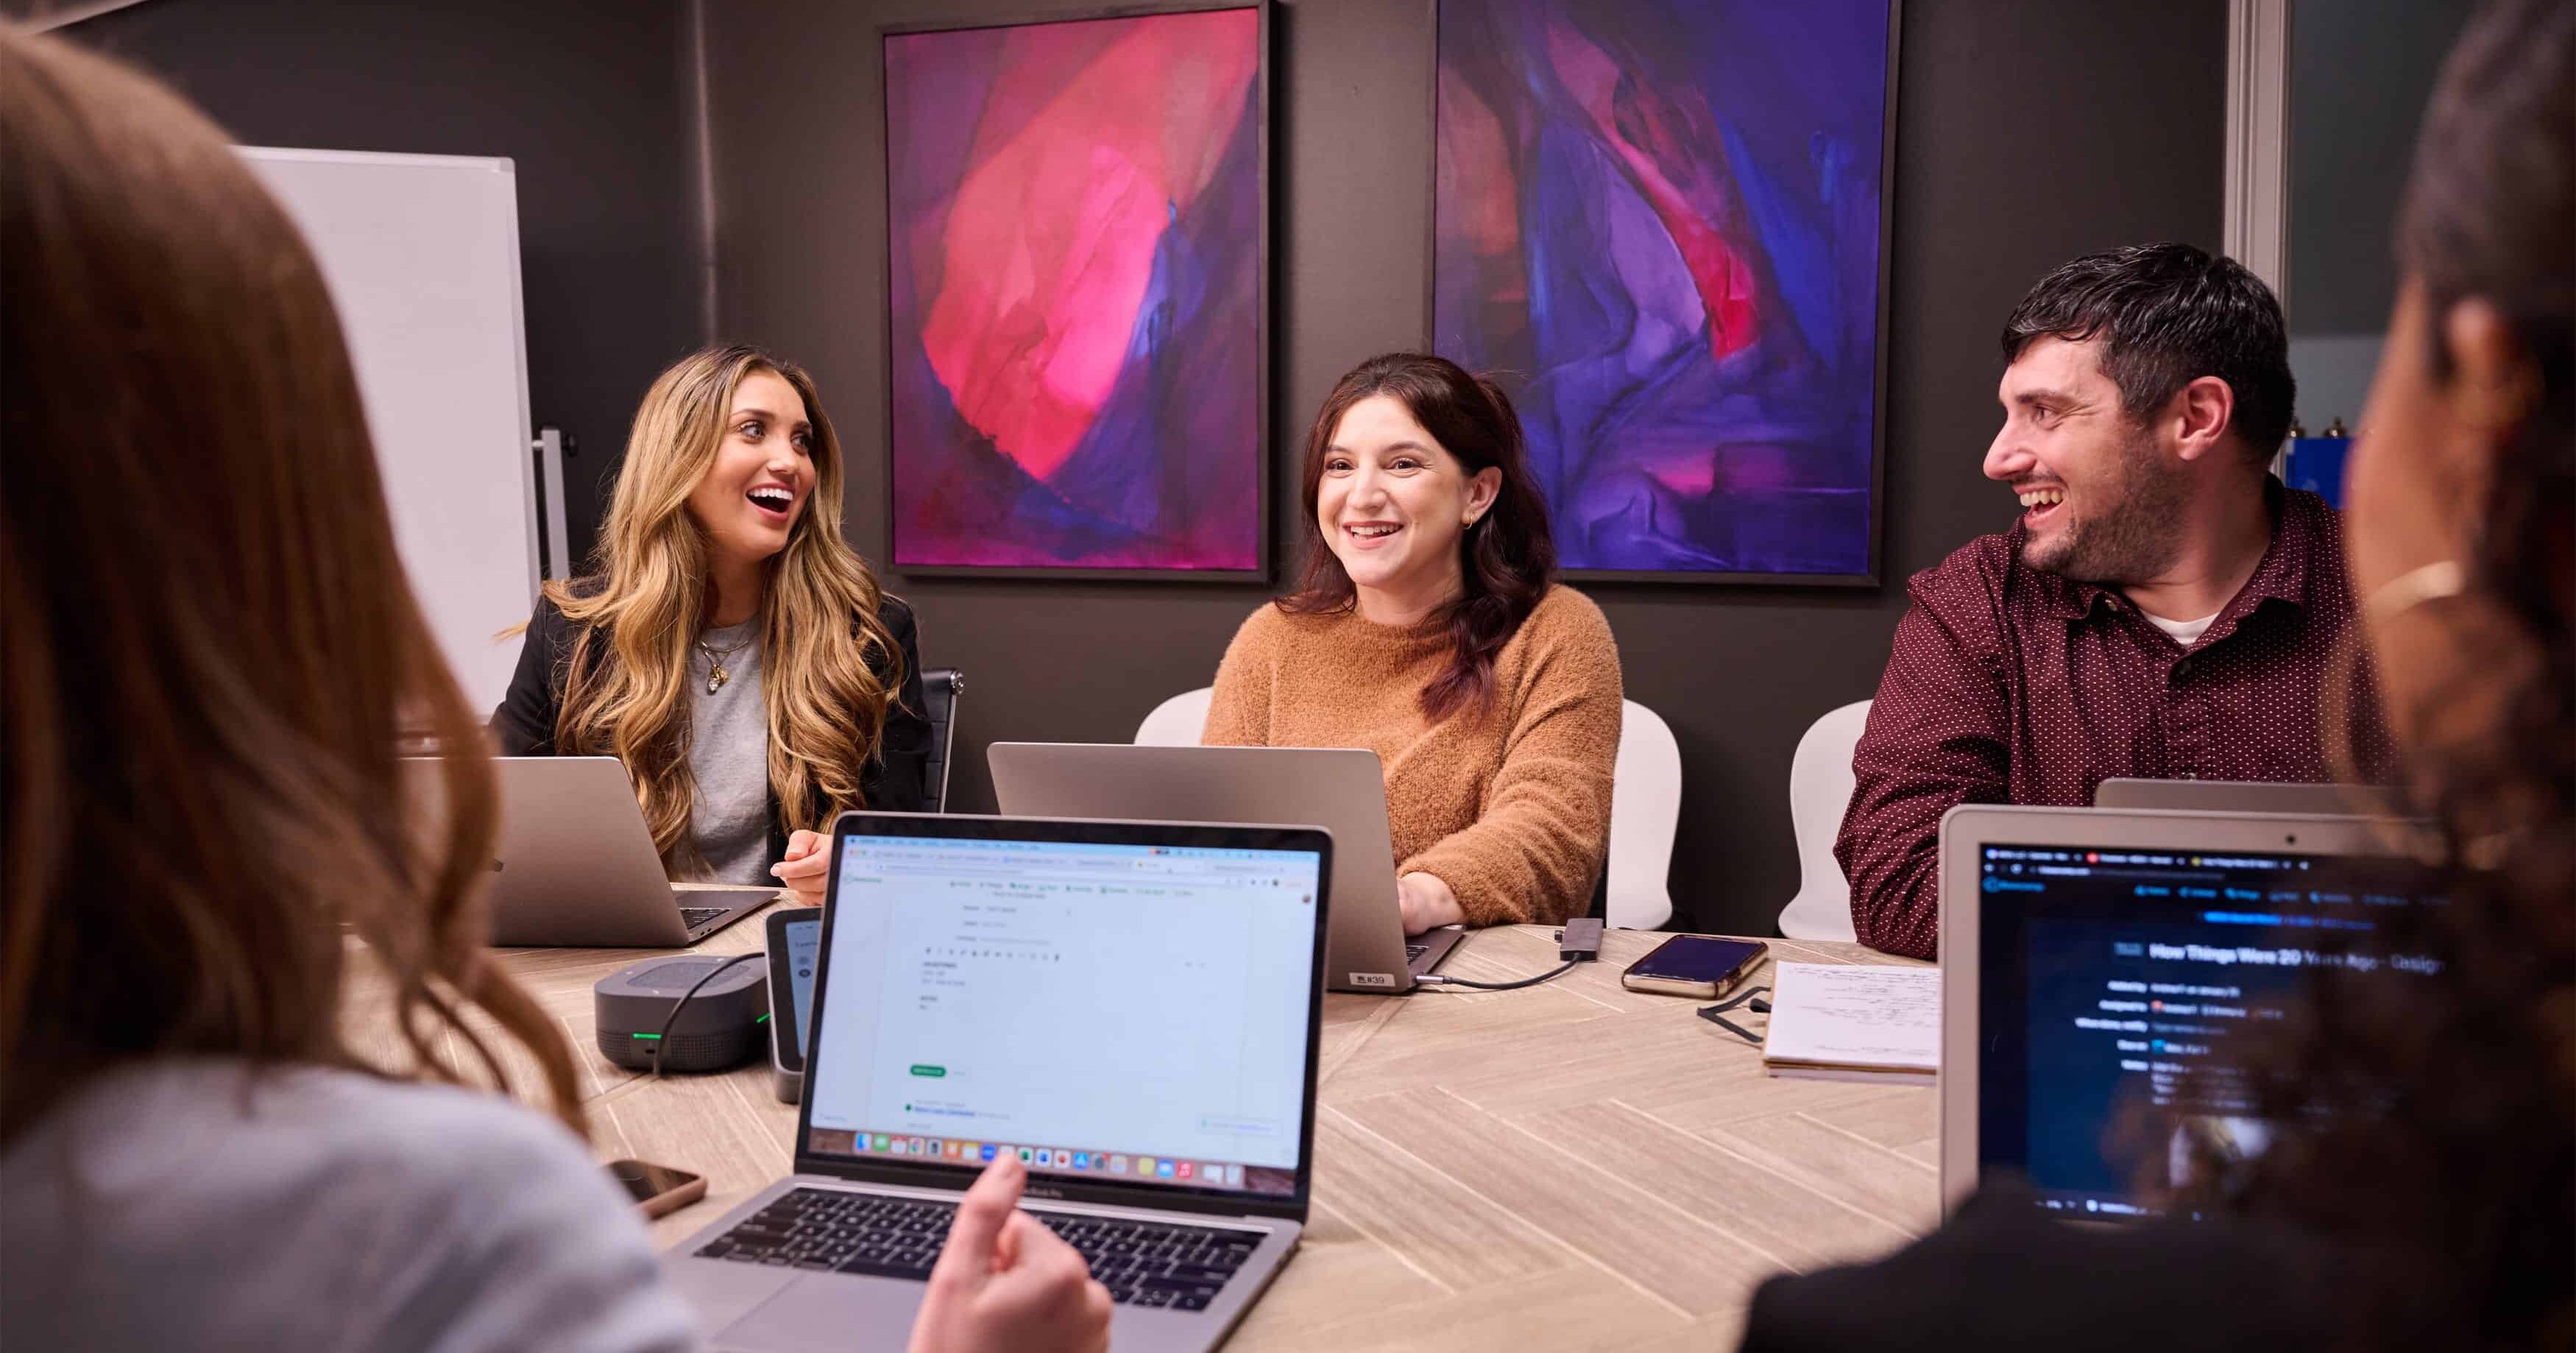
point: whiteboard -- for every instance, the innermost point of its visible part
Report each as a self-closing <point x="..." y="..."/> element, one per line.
<point x="421" y="253"/>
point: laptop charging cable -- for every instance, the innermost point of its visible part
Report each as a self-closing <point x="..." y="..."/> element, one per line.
<point x="1578" y="942"/>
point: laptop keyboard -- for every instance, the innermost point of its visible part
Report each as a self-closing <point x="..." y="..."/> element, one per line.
<point x="693" y="917"/>
<point x="1142" y="1263"/>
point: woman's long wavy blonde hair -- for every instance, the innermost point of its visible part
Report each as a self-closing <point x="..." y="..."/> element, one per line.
<point x="204" y="695"/>
<point x="640" y="609"/>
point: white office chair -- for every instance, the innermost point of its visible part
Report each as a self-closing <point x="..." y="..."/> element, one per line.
<point x="1820" y="790"/>
<point x="1177" y="722"/>
<point x="1645" y="809"/>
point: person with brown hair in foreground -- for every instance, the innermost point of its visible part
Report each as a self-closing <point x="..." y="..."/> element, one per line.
<point x="204" y="693"/>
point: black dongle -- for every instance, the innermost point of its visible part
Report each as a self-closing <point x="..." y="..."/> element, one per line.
<point x="1581" y="939"/>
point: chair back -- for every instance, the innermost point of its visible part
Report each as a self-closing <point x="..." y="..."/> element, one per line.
<point x="1177" y="722"/>
<point x="1820" y="790"/>
<point x="1645" y="811"/>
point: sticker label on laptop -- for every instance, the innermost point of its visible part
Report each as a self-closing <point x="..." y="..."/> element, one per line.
<point x="1372" y="979"/>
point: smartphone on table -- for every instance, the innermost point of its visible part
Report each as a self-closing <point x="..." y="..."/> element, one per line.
<point x="657" y="1189"/>
<point x="1701" y="966"/>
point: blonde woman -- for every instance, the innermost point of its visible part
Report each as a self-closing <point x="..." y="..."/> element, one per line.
<point x="729" y="646"/>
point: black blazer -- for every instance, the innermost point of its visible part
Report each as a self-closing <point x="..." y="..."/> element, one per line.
<point x="895" y="779"/>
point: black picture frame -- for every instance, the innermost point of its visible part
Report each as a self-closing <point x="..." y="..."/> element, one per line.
<point x="1263" y="451"/>
<point x="1873" y="576"/>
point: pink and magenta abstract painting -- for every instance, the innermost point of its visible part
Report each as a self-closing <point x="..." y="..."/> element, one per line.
<point x="1075" y="221"/>
<point x="1659" y="222"/>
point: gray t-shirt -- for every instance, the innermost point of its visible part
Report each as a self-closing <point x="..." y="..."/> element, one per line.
<point x="729" y="755"/>
<point x="200" y="1205"/>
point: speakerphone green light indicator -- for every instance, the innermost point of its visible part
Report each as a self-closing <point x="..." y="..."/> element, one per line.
<point x="760" y="1018"/>
<point x="653" y="1036"/>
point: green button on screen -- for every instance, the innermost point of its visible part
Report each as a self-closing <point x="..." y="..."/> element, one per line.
<point x="932" y="1071"/>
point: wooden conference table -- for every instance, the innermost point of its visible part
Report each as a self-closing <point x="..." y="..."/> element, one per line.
<point x="1568" y="1166"/>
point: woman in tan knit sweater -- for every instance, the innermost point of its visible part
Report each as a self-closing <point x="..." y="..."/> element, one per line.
<point x="1429" y="630"/>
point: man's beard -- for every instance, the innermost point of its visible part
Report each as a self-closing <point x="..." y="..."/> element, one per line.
<point x="2135" y="533"/>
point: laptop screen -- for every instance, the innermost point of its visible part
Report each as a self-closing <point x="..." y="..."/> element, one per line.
<point x="1125" y="1013"/>
<point x="2119" y="989"/>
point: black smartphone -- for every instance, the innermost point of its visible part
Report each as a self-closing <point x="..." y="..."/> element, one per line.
<point x="657" y="1189"/>
<point x="1701" y="966"/>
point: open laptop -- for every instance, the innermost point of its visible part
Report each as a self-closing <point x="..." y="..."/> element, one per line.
<point x="1131" y="1008"/>
<point x="574" y="865"/>
<point x="2100" y="963"/>
<point x="2248" y="796"/>
<point x="1338" y="788"/>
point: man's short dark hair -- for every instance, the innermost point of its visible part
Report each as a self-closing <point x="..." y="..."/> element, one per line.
<point x="2169" y="314"/>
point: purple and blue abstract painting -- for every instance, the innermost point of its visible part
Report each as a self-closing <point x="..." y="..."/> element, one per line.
<point x="1658" y="224"/>
<point x="1075" y="219"/>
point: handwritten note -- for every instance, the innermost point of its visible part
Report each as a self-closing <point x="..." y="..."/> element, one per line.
<point x="1836" y="1016"/>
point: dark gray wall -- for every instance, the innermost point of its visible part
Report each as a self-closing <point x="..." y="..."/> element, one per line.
<point x="2360" y="73"/>
<point x="2026" y="133"/>
<point x="594" y="102"/>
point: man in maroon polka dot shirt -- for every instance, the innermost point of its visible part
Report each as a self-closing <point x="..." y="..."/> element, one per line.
<point x="2164" y="608"/>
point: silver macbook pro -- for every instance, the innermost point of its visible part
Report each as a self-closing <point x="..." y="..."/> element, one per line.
<point x="2104" y="973"/>
<point x="1340" y="789"/>
<point x="1130" y="1008"/>
<point x="2247" y="796"/>
<point x="574" y="865"/>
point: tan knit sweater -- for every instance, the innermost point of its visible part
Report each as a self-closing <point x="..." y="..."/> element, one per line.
<point x="1511" y="809"/>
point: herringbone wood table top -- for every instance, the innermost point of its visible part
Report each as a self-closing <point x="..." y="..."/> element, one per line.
<point x="1567" y="1166"/>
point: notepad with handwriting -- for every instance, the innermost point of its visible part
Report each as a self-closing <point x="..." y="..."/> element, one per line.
<point x="1833" y="1021"/>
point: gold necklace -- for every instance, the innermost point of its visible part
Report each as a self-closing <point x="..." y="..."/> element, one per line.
<point x="717" y="676"/>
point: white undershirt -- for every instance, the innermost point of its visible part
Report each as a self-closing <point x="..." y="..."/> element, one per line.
<point x="2184" y="632"/>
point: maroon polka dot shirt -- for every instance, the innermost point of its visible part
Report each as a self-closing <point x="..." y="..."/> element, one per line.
<point x="2008" y="685"/>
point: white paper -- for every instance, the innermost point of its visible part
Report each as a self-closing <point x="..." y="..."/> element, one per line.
<point x="1832" y="1014"/>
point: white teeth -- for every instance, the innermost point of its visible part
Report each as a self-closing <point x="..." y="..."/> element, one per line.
<point x="2040" y="497"/>
<point x="1373" y="532"/>
<point x="773" y="498"/>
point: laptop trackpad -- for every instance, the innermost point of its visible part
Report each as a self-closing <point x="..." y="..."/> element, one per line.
<point x="829" y="1314"/>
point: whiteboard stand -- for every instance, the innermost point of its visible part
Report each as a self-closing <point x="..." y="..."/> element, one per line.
<point x="554" y="538"/>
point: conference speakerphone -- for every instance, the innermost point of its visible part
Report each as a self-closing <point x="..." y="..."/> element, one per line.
<point x="684" y="1012"/>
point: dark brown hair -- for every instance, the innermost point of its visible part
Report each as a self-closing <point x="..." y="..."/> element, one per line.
<point x="1509" y="558"/>
<point x="2167" y="315"/>
<point x="2438" y="1115"/>
<point x="208" y="643"/>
